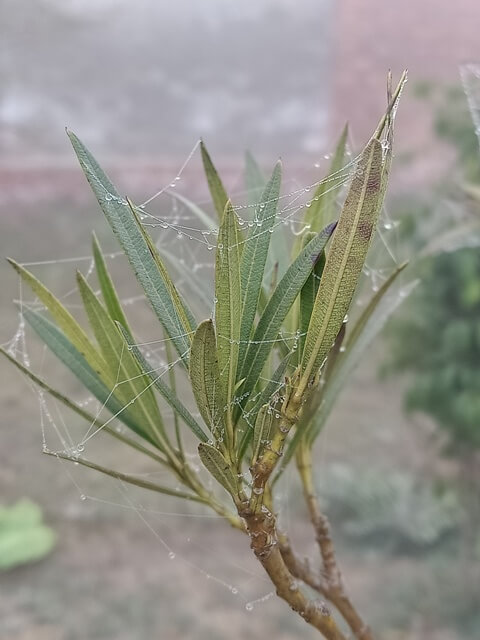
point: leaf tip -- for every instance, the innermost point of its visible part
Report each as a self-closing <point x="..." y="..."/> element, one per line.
<point x="13" y="263"/>
<point x="330" y="228"/>
<point x="71" y="135"/>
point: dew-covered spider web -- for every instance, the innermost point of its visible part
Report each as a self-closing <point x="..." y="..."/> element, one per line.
<point x="185" y="233"/>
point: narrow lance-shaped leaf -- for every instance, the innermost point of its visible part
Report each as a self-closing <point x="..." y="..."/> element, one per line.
<point x="218" y="467"/>
<point x="277" y="257"/>
<point x="74" y="360"/>
<point x="88" y="417"/>
<point x="132" y="384"/>
<point x="308" y="294"/>
<point x="177" y="406"/>
<point x="172" y="381"/>
<point x="206" y="221"/>
<point x="322" y="207"/>
<point x="254" y="256"/>
<point x="278" y="306"/>
<point x="254" y="181"/>
<point x="217" y="190"/>
<point x="229" y="300"/>
<point x="181" y="308"/>
<point x="66" y="322"/>
<point x="205" y="378"/>
<point x="367" y="327"/>
<point x="345" y="260"/>
<point x="195" y="281"/>
<point x="388" y="141"/>
<point x="158" y="289"/>
<point x="110" y="296"/>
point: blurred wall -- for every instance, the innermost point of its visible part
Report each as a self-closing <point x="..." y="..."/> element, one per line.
<point x="431" y="38"/>
<point x="151" y="77"/>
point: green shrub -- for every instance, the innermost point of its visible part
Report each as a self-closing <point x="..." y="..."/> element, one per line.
<point x="392" y="510"/>
<point x="436" y="337"/>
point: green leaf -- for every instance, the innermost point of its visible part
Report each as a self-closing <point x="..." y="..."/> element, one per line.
<point x="229" y="300"/>
<point x="278" y="306"/>
<point x="74" y="360"/>
<point x="24" y="537"/>
<point x="65" y="321"/>
<point x="110" y="297"/>
<point x="209" y="223"/>
<point x="177" y="406"/>
<point x="218" y="467"/>
<point x="136" y="243"/>
<point x="254" y="181"/>
<point x="88" y="417"/>
<point x="367" y="327"/>
<point x="180" y="307"/>
<point x="278" y="253"/>
<point x="217" y="190"/>
<point x="205" y="378"/>
<point x="309" y="293"/>
<point x="197" y="284"/>
<point x="322" y="207"/>
<point x="133" y="386"/>
<point x="345" y="260"/>
<point x="254" y="256"/>
<point x="264" y="426"/>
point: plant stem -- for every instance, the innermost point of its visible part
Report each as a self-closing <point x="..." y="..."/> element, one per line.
<point x="298" y="568"/>
<point x="264" y="466"/>
<point x="125" y="477"/>
<point x="261" y="528"/>
<point x="262" y="531"/>
<point x="333" y="588"/>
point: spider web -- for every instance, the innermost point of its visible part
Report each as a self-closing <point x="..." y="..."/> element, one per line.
<point x="188" y="246"/>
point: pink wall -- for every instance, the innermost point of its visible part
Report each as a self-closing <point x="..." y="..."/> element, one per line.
<point x="429" y="37"/>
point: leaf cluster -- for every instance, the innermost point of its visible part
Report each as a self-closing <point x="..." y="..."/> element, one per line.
<point x="266" y="368"/>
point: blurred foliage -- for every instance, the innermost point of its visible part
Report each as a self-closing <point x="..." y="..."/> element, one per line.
<point x="436" y="337"/>
<point x="439" y="594"/>
<point x="24" y="537"/>
<point x="453" y="123"/>
<point x="391" y="509"/>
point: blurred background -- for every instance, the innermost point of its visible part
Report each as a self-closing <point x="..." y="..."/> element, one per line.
<point x="398" y="466"/>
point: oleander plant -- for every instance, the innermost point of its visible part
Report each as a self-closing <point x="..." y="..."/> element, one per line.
<point x="261" y="400"/>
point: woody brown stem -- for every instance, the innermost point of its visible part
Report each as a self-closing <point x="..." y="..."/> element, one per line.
<point x="261" y="528"/>
<point x="300" y="569"/>
<point x="333" y="588"/>
<point x="263" y="535"/>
